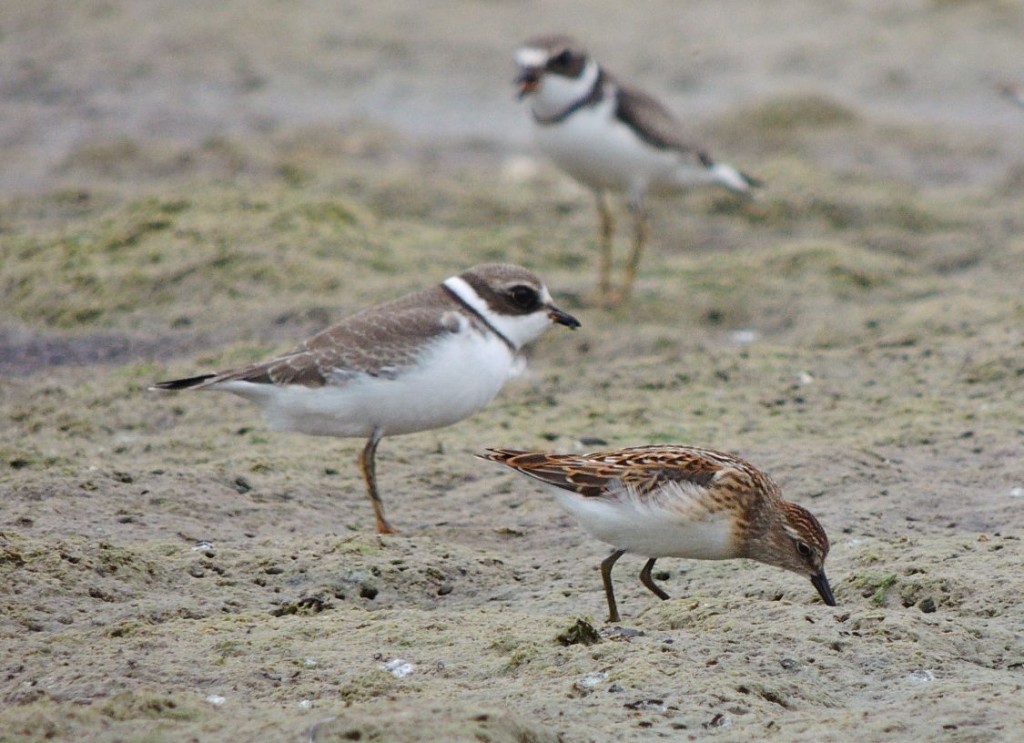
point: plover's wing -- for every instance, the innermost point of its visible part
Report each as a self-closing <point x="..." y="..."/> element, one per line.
<point x="380" y="341"/>
<point x="654" y="123"/>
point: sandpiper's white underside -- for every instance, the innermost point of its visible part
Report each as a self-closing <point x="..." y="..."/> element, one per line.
<point x="650" y="528"/>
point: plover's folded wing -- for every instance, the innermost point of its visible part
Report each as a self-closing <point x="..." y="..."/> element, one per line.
<point x="380" y="342"/>
<point x="653" y="123"/>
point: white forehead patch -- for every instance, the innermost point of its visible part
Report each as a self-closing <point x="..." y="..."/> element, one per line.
<point x="531" y="56"/>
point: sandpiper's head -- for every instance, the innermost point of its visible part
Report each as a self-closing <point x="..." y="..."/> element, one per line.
<point x="512" y="299"/>
<point x="797" y="542"/>
<point x="552" y="56"/>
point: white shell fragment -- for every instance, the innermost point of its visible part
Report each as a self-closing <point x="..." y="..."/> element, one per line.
<point x="399" y="668"/>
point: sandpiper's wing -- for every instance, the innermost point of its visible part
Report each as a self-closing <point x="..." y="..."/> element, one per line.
<point x="379" y="341"/>
<point x="641" y="470"/>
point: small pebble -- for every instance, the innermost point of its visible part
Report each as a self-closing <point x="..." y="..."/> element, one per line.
<point x="744" y="337"/>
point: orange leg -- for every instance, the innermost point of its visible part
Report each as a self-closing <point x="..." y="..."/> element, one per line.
<point x="606" y="237"/>
<point x="368" y="466"/>
<point x="641" y="231"/>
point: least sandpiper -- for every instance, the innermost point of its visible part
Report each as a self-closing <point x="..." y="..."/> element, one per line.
<point x="611" y="137"/>
<point x="420" y="362"/>
<point x="679" y="501"/>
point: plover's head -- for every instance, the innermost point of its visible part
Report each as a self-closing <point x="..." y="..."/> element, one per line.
<point x="795" y="541"/>
<point x="512" y="299"/>
<point x="549" y="57"/>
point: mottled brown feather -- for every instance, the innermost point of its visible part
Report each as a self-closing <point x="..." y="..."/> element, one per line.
<point x="643" y="469"/>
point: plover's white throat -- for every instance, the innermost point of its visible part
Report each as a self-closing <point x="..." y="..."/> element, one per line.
<point x="679" y="501"/>
<point x="424" y="361"/>
<point x="611" y="137"/>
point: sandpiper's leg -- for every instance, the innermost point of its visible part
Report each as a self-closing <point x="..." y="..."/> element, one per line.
<point x="606" y="575"/>
<point x="368" y="466"/>
<point x="606" y="237"/>
<point x="647" y="580"/>
<point x="641" y="230"/>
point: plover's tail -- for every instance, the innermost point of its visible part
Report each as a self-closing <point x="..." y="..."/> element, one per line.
<point x="733" y="179"/>
<point x="182" y="384"/>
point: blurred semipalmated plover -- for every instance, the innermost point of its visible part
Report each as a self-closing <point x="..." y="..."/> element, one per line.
<point x="423" y="361"/>
<point x="1013" y="91"/>
<point x="611" y="137"/>
<point x="679" y="501"/>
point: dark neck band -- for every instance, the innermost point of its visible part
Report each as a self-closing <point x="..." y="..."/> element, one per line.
<point x="454" y="295"/>
<point x="594" y="95"/>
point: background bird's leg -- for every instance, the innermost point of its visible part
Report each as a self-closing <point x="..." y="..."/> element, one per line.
<point x="645" y="578"/>
<point x="606" y="237"/>
<point x="606" y="575"/>
<point x="641" y="231"/>
<point x="368" y="466"/>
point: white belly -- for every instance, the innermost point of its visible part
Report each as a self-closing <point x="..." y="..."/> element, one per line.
<point x="650" y="531"/>
<point x="454" y="380"/>
<point x="603" y="153"/>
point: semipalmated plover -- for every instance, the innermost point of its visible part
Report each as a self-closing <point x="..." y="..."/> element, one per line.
<point x="611" y="137"/>
<point x="424" y="361"/>
<point x="679" y="501"/>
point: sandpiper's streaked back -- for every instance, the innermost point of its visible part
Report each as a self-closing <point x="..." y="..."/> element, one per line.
<point x="679" y="501"/>
<point x="424" y="361"/>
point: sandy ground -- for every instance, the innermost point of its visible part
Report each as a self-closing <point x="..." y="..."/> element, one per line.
<point x="187" y="188"/>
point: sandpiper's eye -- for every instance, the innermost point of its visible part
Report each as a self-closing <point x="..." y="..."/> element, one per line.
<point x="803" y="549"/>
<point x="524" y="297"/>
<point x="562" y="59"/>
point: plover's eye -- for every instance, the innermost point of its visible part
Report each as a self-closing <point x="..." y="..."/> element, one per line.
<point x="524" y="297"/>
<point x="562" y="59"/>
<point x="803" y="549"/>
